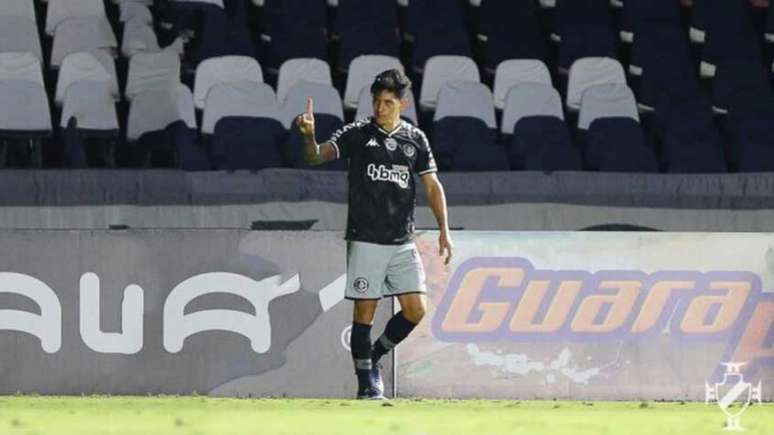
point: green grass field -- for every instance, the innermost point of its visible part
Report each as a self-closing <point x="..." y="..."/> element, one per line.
<point x="43" y="415"/>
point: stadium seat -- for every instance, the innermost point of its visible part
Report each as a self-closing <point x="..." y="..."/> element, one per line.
<point x="82" y="34"/>
<point x="19" y="34"/>
<point x="18" y="9"/>
<point x="94" y="67"/>
<point x="155" y="110"/>
<point x="584" y="30"/>
<point x="293" y="29"/>
<point x="464" y="128"/>
<point x="607" y="101"/>
<point x="362" y="72"/>
<point x="92" y="105"/>
<point x="302" y="70"/>
<point x="691" y="142"/>
<point x="245" y="142"/>
<point x="59" y="11"/>
<point x="437" y="28"/>
<point x="139" y="37"/>
<point x="616" y="144"/>
<point x="591" y="71"/>
<point x="221" y="35"/>
<point x="639" y="15"/>
<point x="735" y="76"/>
<point x="509" y="30"/>
<point x="365" y="106"/>
<point x="153" y="72"/>
<point x="542" y="143"/>
<point x="24" y="113"/>
<point x="658" y="44"/>
<point x="366" y="27"/>
<point x="246" y="98"/>
<point x="466" y="99"/>
<point x="733" y="39"/>
<point x="21" y="66"/>
<point x="530" y="100"/>
<point x="467" y="144"/>
<point x="517" y="71"/>
<point x="225" y="69"/>
<point x="754" y="146"/>
<point x="134" y="11"/>
<point x="442" y="69"/>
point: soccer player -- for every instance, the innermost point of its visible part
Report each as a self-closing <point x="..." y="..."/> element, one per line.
<point x="382" y="260"/>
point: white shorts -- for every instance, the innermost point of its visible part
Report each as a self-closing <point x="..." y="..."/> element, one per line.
<point x="375" y="271"/>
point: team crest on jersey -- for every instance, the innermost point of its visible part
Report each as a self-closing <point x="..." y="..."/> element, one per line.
<point x="372" y="143"/>
<point x="391" y="144"/>
<point x="409" y="150"/>
<point x="360" y="285"/>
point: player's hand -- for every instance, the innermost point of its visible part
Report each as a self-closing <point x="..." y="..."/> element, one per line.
<point x="445" y="244"/>
<point x="305" y="121"/>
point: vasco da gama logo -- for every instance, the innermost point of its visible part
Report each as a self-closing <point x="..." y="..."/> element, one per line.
<point x="492" y="299"/>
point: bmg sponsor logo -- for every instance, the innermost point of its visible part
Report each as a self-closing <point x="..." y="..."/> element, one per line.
<point x="398" y="174"/>
<point x="492" y="299"/>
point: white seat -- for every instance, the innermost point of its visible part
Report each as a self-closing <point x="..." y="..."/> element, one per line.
<point x="362" y="72"/>
<point x="326" y="101"/>
<point x="19" y="34"/>
<point x="21" y="66"/>
<point x="94" y="67"/>
<point x="132" y="10"/>
<point x="91" y="104"/>
<point x="82" y="34"/>
<point x="466" y="99"/>
<point x="153" y="72"/>
<point x="607" y="101"/>
<point x="591" y="71"/>
<point x="530" y="99"/>
<point x="365" y="107"/>
<point x="442" y="69"/>
<point x="138" y="37"/>
<point x="156" y="110"/>
<point x="246" y="98"/>
<point x="24" y="106"/>
<point x="224" y="69"/>
<point x="18" y="8"/>
<point x="302" y="69"/>
<point x="512" y="72"/>
<point x="62" y="10"/>
<point x="212" y="2"/>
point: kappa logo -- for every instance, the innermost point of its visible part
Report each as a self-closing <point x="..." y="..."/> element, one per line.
<point x="372" y="143"/>
<point x="398" y="174"/>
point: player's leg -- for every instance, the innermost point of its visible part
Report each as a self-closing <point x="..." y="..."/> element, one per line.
<point x="366" y="269"/>
<point x="412" y="310"/>
<point x="360" y="343"/>
<point x="406" y="281"/>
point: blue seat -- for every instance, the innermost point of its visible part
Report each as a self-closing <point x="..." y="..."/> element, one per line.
<point x="639" y="15"/>
<point x="222" y="36"/>
<point x="296" y="28"/>
<point x="733" y="77"/>
<point x="175" y="146"/>
<point x="754" y="146"/>
<point x="437" y="27"/>
<point x="512" y="31"/>
<point x="467" y="144"/>
<point x="242" y="142"/>
<point x="617" y="144"/>
<point x="691" y="142"/>
<point x="531" y="134"/>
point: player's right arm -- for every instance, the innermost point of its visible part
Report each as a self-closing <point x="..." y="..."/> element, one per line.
<point x="314" y="153"/>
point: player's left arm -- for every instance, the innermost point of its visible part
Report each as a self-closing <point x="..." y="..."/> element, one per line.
<point x="437" y="200"/>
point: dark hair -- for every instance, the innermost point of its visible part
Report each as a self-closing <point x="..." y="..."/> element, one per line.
<point x="392" y="80"/>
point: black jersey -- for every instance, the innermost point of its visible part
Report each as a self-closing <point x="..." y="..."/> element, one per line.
<point x="382" y="191"/>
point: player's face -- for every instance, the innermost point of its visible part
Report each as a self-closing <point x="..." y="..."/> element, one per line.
<point x="387" y="108"/>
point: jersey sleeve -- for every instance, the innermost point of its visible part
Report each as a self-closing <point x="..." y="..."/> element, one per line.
<point x="345" y="140"/>
<point x="425" y="160"/>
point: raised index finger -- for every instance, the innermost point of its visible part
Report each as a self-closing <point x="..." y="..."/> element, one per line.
<point x="309" y="106"/>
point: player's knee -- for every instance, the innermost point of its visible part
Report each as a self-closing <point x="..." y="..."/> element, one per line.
<point x="414" y="314"/>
